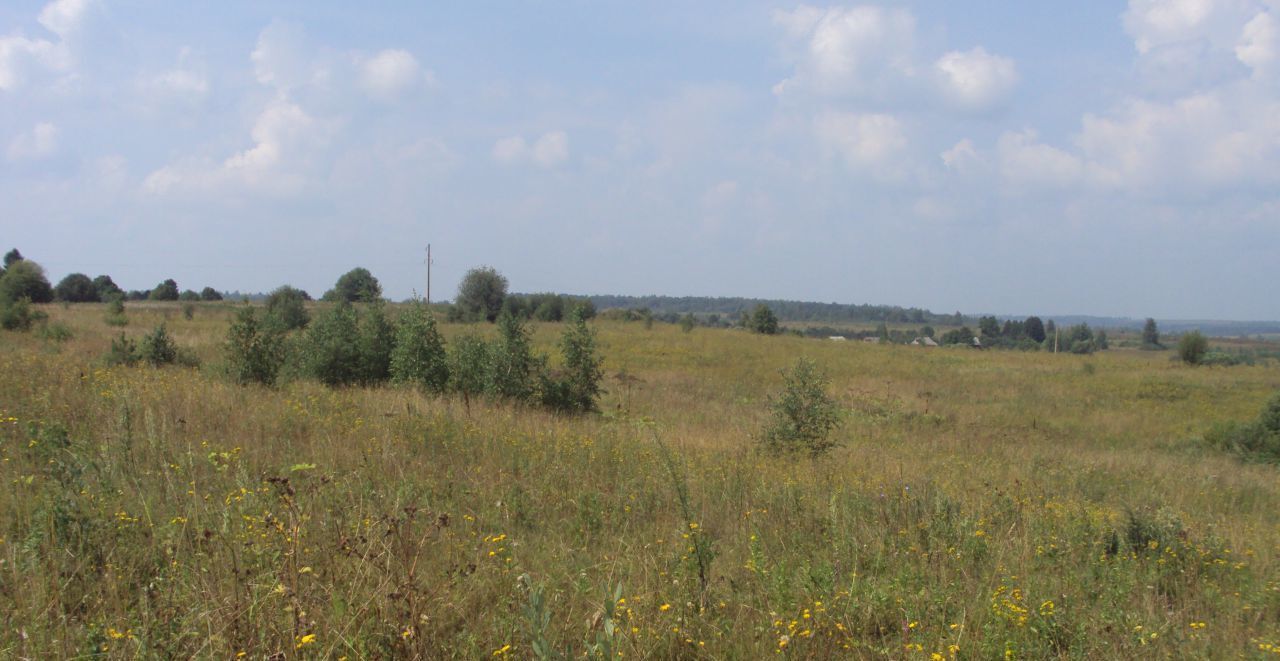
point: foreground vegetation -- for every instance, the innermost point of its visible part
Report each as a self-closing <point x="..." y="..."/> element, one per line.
<point x="976" y="505"/>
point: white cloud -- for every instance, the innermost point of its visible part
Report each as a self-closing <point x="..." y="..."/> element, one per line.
<point x="182" y="83"/>
<point x="285" y="139"/>
<point x="976" y="80"/>
<point x="872" y="141"/>
<point x="961" y="157"/>
<point x="390" y="73"/>
<point x="549" y="150"/>
<point x="40" y="142"/>
<point x="1259" y="45"/>
<point x="1024" y="159"/>
<point x="859" y="51"/>
<point x="281" y="58"/>
<point x="1154" y="23"/>
<point x="64" y="17"/>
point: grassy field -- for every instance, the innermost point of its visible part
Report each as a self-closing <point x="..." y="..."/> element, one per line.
<point x="981" y="505"/>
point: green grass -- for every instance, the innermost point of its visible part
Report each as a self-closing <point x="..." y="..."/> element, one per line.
<point x="980" y="503"/>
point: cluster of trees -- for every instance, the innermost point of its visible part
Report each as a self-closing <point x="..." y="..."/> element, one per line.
<point x="734" y="308"/>
<point x="358" y="345"/>
<point x="482" y="296"/>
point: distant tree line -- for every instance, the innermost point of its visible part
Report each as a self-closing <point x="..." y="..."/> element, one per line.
<point x="733" y="308"/>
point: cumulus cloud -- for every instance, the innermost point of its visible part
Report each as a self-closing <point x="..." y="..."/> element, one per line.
<point x="1024" y="159"/>
<point x="20" y="55"/>
<point x="284" y="140"/>
<point x="961" y="157"/>
<point x="39" y="142"/>
<point x="976" y="80"/>
<point x="549" y="150"/>
<point x="282" y="59"/>
<point x="390" y="73"/>
<point x="870" y="142"/>
<point x="1259" y="44"/>
<point x="858" y="51"/>
<point x="1155" y="23"/>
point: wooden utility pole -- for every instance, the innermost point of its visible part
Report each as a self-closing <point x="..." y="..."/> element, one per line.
<point x="428" y="274"/>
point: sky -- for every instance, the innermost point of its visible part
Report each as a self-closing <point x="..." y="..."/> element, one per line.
<point x="990" y="157"/>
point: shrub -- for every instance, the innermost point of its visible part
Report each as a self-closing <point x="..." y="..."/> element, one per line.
<point x="123" y="351"/>
<point x="158" y="347"/>
<point x="469" y="366"/>
<point x="188" y="311"/>
<point x="115" y="312"/>
<point x="577" y="386"/>
<point x="255" y="351"/>
<point x="107" y="288"/>
<point x="1258" y="440"/>
<point x="762" y="320"/>
<point x="1192" y="346"/>
<point x="332" y="347"/>
<point x="803" y="415"/>
<point x="377" y="341"/>
<point x="165" y="291"/>
<point x="687" y="322"/>
<point x="286" y="306"/>
<point x="419" y="356"/>
<point x="512" y="365"/>
<point x="18" y="315"/>
<point x="56" y="332"/>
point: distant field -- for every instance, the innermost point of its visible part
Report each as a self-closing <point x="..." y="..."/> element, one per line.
<point x="983" y="504"/>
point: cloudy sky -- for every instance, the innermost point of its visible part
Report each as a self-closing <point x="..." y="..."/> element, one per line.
<point x="1034" y="157"/>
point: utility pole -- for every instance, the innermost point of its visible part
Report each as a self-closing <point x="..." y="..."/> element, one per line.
<point x="428" y="274"/>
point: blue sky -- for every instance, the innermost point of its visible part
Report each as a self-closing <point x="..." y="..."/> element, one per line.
<point x="1054" y="158"/>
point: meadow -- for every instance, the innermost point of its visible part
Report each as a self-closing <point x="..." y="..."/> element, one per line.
<point x="981" y="504"/>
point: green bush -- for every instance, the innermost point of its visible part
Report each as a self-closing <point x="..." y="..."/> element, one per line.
<point x="1258" y="440"/>
<point x="158" y="347"/>
<point x="419" y="356"/>
<point x="18" y="315"/>
<point x="76" y="288"/>
<point x="575" y="388"/>
<point x="803" y="415"/>
<point x="56" y="332"/>
<point x="165" y="291"/>
<point x="468" y="366"/>
<point x="124" y="351"/>
<point x="332" y="347"/>
<point x="255" y="352"/>
<point x="355" y="286"/>
<point x="1192" y="347"/>
<point x="286" y="306"/>
<point x="25" y="279"/>
<point x="377" y="341"/>
<point x="115" y="312"/>
<point x="512" y="366"/>
<point x="481" y="294"/>
<point x="762" y="320"/>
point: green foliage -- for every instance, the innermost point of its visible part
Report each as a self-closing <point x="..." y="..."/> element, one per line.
<point x="115" y="312"/>
<point x="55" y="332"/>
<point x="1151" y="335"/>
<point x="165" y="291"/>
<point x="576" y="388"/>
<point x="803" y="414"/>
<point x="123" y="351"/>
<point x="355" y="286"/>
<point x="210" y="294"/>
<point x="25" y="279"/>
<point x="18" y="315"/>
<point x="188" y="311"/>
<point x="107" y="288"/>
<point x="688" y="322"/>
<point x="989" y="327"/>
<point x="512" y="366"/>
<point x="76" y="288"/>
<point x="332" y="347"/>
<point x="960" y="335"/>
<point x="1033" y="328"/>
<point x="189" y="296"/>
<point x="762" y="320"/>
<point x="255" y="351"/>
<point x="286" y="307"/>
<point x="469" y="365"/>
<point x="158" y="348"/>
<point x="481" y="294"/>
<point x="1192" y="347"/>
<point x="419" y="356"/>
<point x="377" y="341"/>
<point x="12" y="257"/>
<point x="1258" y="440"/>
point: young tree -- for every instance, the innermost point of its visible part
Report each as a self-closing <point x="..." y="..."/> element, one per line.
<point x="481" y="293"/>
<point x="355" y="286"/>
<point x="286" y="306"/>
<point x="377" y="341"/>
<point x="762" y="320"/>
<point x="579" y="384"/>
<point x="512" y="365"/>
<point x="1150" y="335"/>
<point x="165" y="291"/>
<point x="419" y="356"/>
<point x="469" y="367"/>
<point x="158" y="348"/>
<point x="332" y="346"/>
<point x="1192" y="347"/>
<point x="76" y="288"/>
<point x="254" y="352"/>
<point x="803" y="414"/>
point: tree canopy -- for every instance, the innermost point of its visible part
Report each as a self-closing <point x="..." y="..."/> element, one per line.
<point x="481" y="294"/>
<point x="76" y="288"/>
<point x="355" y="286"/>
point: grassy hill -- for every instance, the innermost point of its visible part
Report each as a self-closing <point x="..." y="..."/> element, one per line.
<point x="981" y="504"/>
